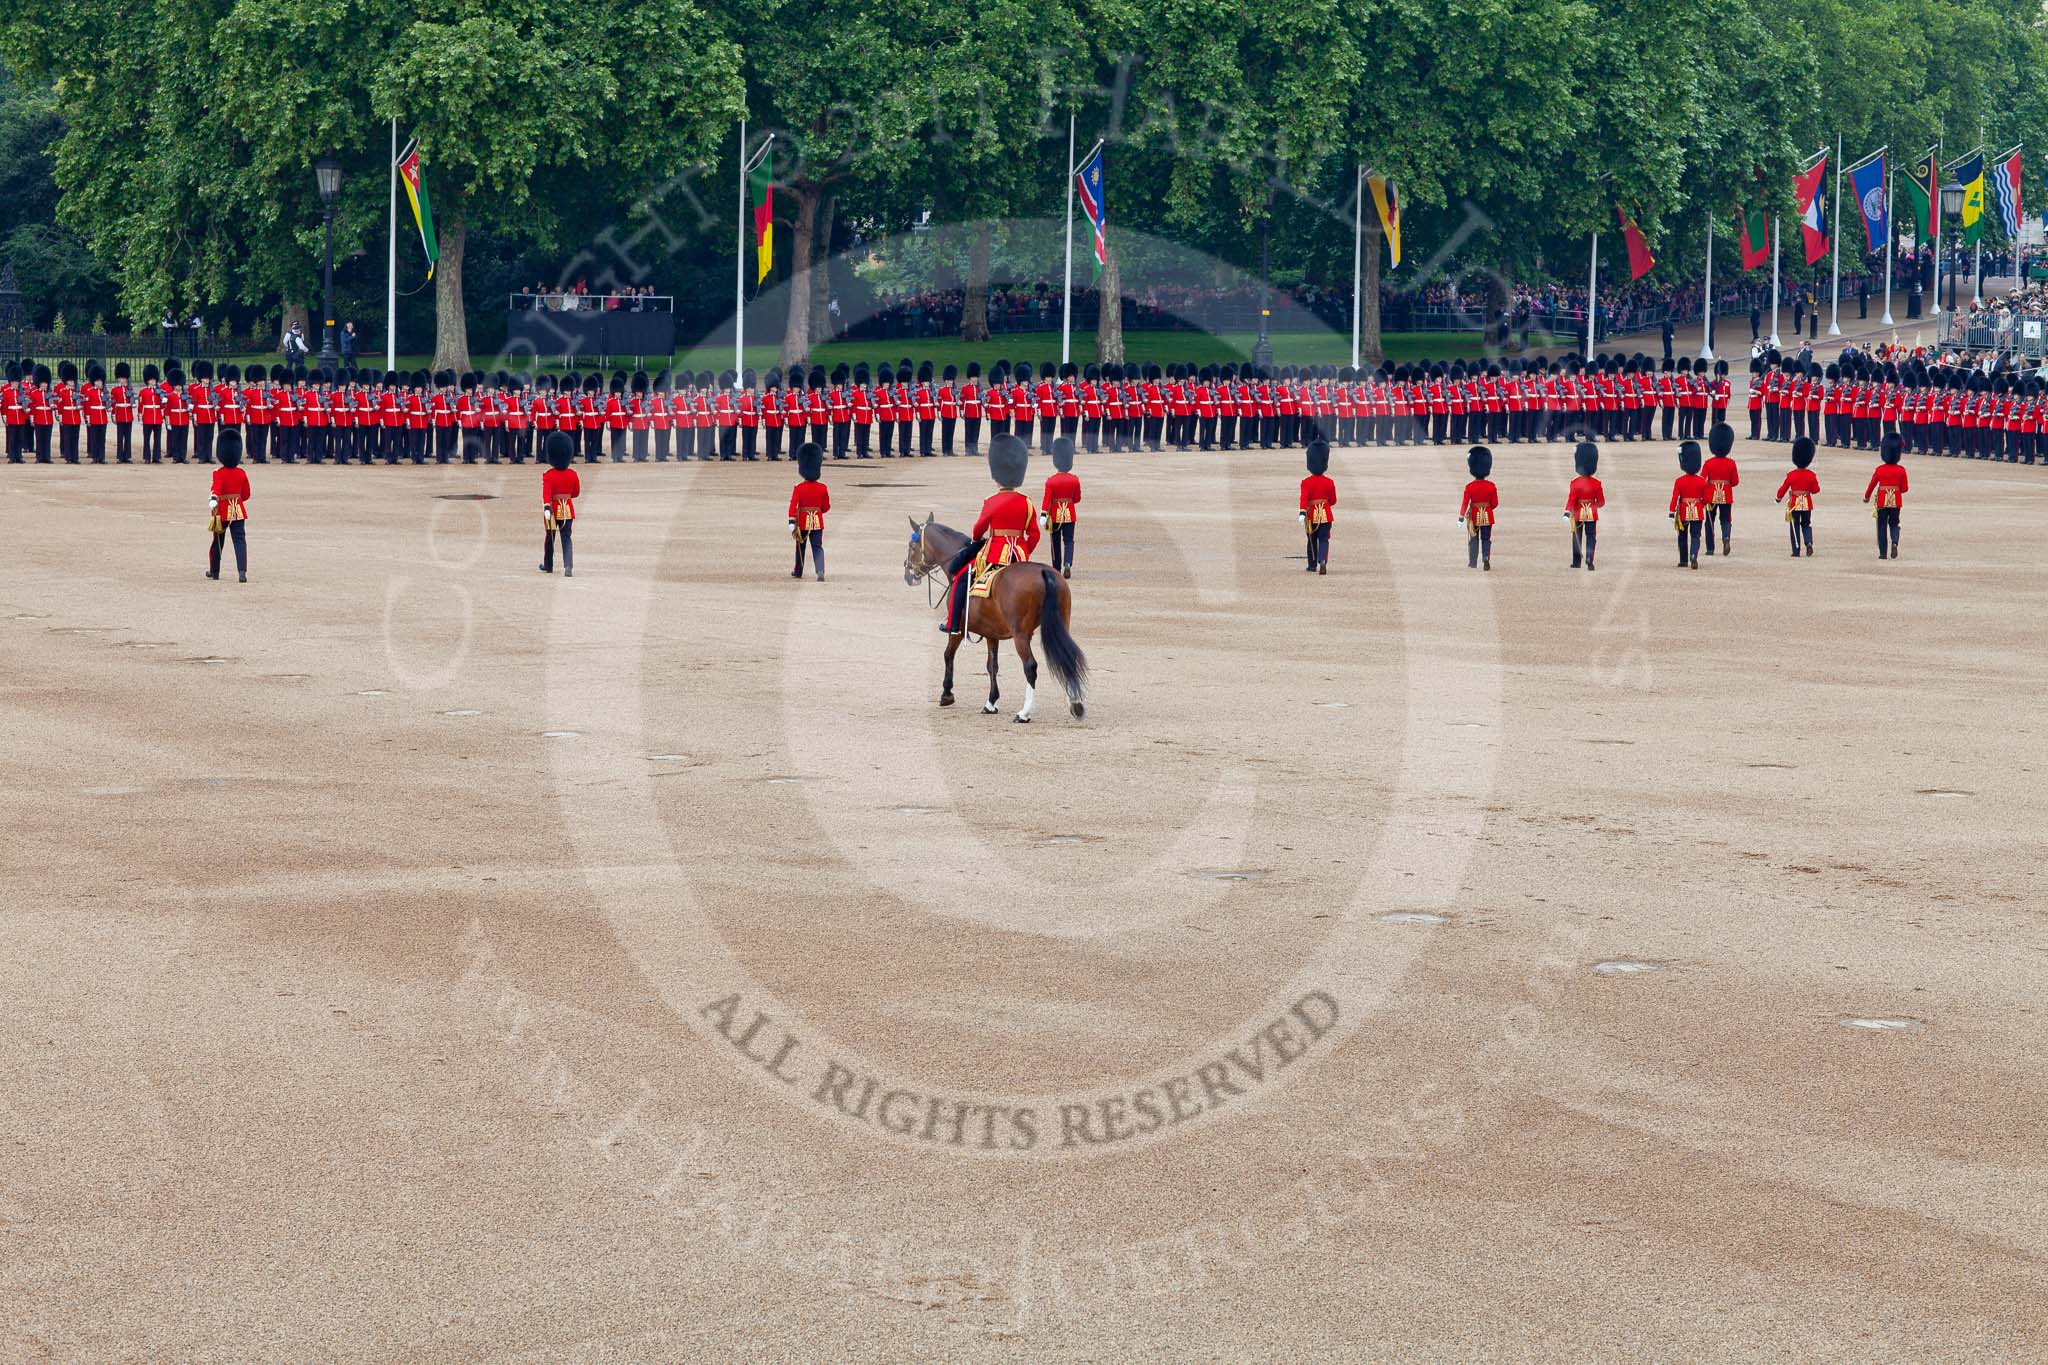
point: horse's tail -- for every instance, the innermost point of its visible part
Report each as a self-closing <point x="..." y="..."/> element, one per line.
<point x="1069" y="665"/>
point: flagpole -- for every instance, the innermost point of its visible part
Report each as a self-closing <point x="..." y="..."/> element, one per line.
<point x="739" y="266"/>
<point x="1977" y="271"/>
<point x="1934" y="197"/>
<point x="1776" y="291"/>
<point x="391" y="265"/>
<point x="1067" y="296"/>
<point x="1357" y="259"/>
<point x="1835" y="230"/>
<point x="1592" y="296"/>
<point x="2020" y="219"/>
<point x="1890" y="236"/>
<point x="1707" y="298"/>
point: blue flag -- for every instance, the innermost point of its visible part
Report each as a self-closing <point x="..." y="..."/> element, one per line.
<point x="1867" y="184"/>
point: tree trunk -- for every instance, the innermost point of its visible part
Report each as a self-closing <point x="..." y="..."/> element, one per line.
<point x="1370" y="349"/>
<point x="796" y="329"/>
<point x="974" y="300"/>
<point x="451" y="324"/>
<point x="1109" y="322"/>
<point x="821" y="278"/>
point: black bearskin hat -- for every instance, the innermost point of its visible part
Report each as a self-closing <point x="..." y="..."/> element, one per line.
<point x="1689" y="456"/>
<point x="202" y="369"/>
<point x="1318" y="457"/>
<point x="748" y="379"/>
<point x="43" y="374"/>
<point x="639" y="381"/>
<point x="1890" y="450"/>
<point x="1721" y="439"/>
<point x="1480" y="461"/>
<point x="1022" y="372"/>
<point x="227" y="447"/>
<point x="810" y="461"/>
<point x="817" y="377"/>
<point x="924" y="372"/>
<point x="950" y="373"/>
<point x="469" y="381"/>
<point x="93" y="372"/>
<point x="149" y="374"/>
<point x="1586" y="459"/>
<point x="1063" y="453"/>
<point x="1802" y="452"/>
<point x="560" y="451"/>
<point x="121" y="369"/>
<point x="794" y="379"/>
<point x="860" y="372"/>
<point x="67" y="371"/>
<point x="1008" y="461"/>
<point x="974" y="369"/>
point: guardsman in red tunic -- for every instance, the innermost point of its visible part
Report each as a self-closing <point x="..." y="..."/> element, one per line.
<point x="1004" y="533"/>
<point x="121" y="403"/>
<point x="1091" y="408"/>
<point x="1722" y="480"/>
<point x="771" y="415"/>
<point x="1478" y="507"/>
<point x="809" y="501"/>
<point x="559" y="489"/>
<point x="177" y="414"/>
<point x="749" y="403"/>
<point x="726" y="412"/>
<point x="947" y="399"/>
<point x="200" y="394"/>
<point x="1582" y="503"/>
<point x="94" y="403"/>
<point x="149" y="412"/>
<point x="970" y="408"/>
<point x="69" y="416"/>
<point x="1057" y="506"/>
<point x="1721" y="392"/>
<point x="256" y="402"/>
<point x="228" y="402"/>
<point x="924" y="402"/>
<point x="640" y="420"/>
<point x="1318" y="511"/>
<point x="1690" y="496"/>
<point x="1797" y="492"/>
<point x="227" y="507"/>
<point x="1888" y="484"/>
<point x="441" y="415"/>
<point x="997" y="402"/>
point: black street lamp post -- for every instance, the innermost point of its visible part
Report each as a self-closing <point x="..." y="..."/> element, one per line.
<point x="328" y="171"/>
<point x="1262" y="349"/>
<point x="1952" y="204"/>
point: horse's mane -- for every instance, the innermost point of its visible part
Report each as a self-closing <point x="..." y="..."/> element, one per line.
<point x="939" y="531"/>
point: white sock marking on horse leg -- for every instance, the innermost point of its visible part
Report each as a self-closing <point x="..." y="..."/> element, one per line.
<point x="1030" y="696"/>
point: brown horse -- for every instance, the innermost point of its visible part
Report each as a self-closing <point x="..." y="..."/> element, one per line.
<point x="1027" y="598"/>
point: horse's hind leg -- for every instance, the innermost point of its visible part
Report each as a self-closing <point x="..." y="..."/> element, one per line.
<point x="946" y="689"/>
<point x="1030" y="679"/>
<point x="994" y="692"/>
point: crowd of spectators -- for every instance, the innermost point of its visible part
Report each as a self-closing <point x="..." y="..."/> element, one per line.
<point x="577" y="298"/>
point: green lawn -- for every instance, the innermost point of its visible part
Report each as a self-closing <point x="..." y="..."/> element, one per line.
<point x="1160" y="348"/>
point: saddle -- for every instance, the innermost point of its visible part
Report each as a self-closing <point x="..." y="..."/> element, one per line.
<point x="984" y="580"/>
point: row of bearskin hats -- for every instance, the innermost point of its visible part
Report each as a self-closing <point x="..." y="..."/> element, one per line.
<point x="1912" y="373"/>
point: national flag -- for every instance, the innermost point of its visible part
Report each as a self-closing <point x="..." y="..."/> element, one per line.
<point x="1388" y="203"/>
<point x="1969" y="173"/>
<point x="1088" y="180"/>
<point x="1809" y="196"/>
<point x="416" y="195"/>
<point x="1923" y="185"/>
<point x="761" y="193"/>
<point x="1639" y="258"/>
<point x="1755" y="238"/>
<point x="2005" y="192"/>
<point x="1873" y="201"/>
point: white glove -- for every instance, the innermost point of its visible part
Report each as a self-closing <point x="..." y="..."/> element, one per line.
<point x="212" y="504"/>
<point x="792" y="523"/>
<point x="1301" y="517"/>
<point x="1042" y="523"/>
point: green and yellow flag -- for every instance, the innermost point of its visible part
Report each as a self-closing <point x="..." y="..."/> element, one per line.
<point x="1387" y="203"/>
<point x="416" y="195"/>
<point x="1969" y="173"/>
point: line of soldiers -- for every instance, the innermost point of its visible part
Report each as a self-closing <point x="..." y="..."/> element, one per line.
<point x="1933" y="409"/>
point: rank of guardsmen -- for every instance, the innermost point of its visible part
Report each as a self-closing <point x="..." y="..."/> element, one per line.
<point x="910" y="410"/>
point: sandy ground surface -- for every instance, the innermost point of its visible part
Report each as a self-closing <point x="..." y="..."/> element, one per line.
<point x="412" y="956"/>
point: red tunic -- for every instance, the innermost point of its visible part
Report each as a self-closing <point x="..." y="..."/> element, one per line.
<point x="1800" y="485"/>
<point x="1319" y="499"/>
<point x="1062" y="491"/>
<point x="809" y="501"/>
<point x="1584" y="499"/>
<point x="1480" y="503"/>
<point x="559" y="489"/>
<point x="231" y="486"/>
<point x="1721" y="477"/>
<point x="1006" y="519"/>
<point x="1888" y="481"/>
<point x="1689" y="495"/>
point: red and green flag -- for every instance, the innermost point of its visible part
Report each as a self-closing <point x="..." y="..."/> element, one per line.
<point x="416" y="195"/>
<point x="761" y="192"/>
<point x="1756" y="237"/>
